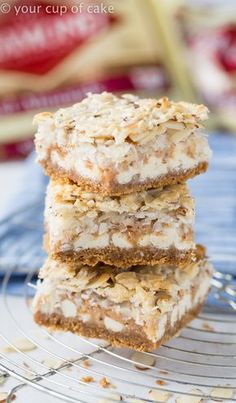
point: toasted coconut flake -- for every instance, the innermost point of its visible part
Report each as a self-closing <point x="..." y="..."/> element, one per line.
<point x="144" y="361"/>
<point x="171" y="197"/>
<point x="105" y="117"/>
<point x="149" y="287"/>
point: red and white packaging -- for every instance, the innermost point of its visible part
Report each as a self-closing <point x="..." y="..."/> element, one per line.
<point x="52" y="54"/>
<point x="209" y="31"/>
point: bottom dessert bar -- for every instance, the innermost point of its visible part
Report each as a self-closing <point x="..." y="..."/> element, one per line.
<point x="139" y="309"/>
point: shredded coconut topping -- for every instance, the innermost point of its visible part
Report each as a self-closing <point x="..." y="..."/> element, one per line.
<point x="103" y="117"/>
<point x="171" y="197"/>
<point x="143" y="285"/>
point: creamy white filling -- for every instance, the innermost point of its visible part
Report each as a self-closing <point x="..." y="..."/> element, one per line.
<point x="68" y="231"/>
<point x="169" y="237"/>
<point x="88" y="241"/>
<point x="113" y="325"/>
<point x="161" y="327"/>
<point x="142" y="162"/>
<point x="68" y="308"/>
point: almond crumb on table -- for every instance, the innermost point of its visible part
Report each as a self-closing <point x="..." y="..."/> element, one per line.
<point x="104" y="383"/>
<point x="26" y="365"/>
<point x="208" y="327"/>
<point x="52" y="363"/>
<point x="86" y="363"/>
<point x="87" y="379"/>
<point x="161" y="382"/>
<point x="164" y="372"/>
<point x="142" y="361"/>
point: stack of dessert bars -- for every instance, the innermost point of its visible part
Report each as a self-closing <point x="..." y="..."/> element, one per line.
<point x="122" y="265"/>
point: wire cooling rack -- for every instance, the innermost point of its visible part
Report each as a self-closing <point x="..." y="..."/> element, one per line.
<point x="200" y="363"/>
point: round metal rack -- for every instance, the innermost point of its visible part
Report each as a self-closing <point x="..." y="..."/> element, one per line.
<point x="199" y="362"/>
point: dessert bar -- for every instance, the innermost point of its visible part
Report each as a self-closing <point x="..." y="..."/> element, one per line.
<point x="140" y="308"/>
<point x="118" y="145"/>
<point x="149" y="227"/>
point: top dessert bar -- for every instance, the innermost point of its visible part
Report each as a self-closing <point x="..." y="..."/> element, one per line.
<point x="117" y="145"/>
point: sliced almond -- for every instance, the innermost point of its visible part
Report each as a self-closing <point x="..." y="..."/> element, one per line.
<point x="136" y="401"/>
<point x="222" y="393"/>
<point x="142" y="360"/>
<point x="171" y="124"/>
<point x="111" y="398"/>
<point x="51" y="363"/>
<point x="159" y="395"/>
<point x="118" y="293"/>
<point x="99" y="281"/>
<point x="20" y="344"/>
<point x="191" y="399"/>
<point x="127" y="279"/>
<point x="180" y="135"/>
<point x="29" y="375"/>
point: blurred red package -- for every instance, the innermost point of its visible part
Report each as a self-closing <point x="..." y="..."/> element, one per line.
<point x="209" y="31"/>
<point x="52" y="53"/>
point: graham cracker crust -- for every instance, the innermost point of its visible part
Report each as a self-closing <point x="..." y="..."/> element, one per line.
<point x="133" y="338"/>
<point x="123" y="258"/>
<point x="114" y="189"/>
